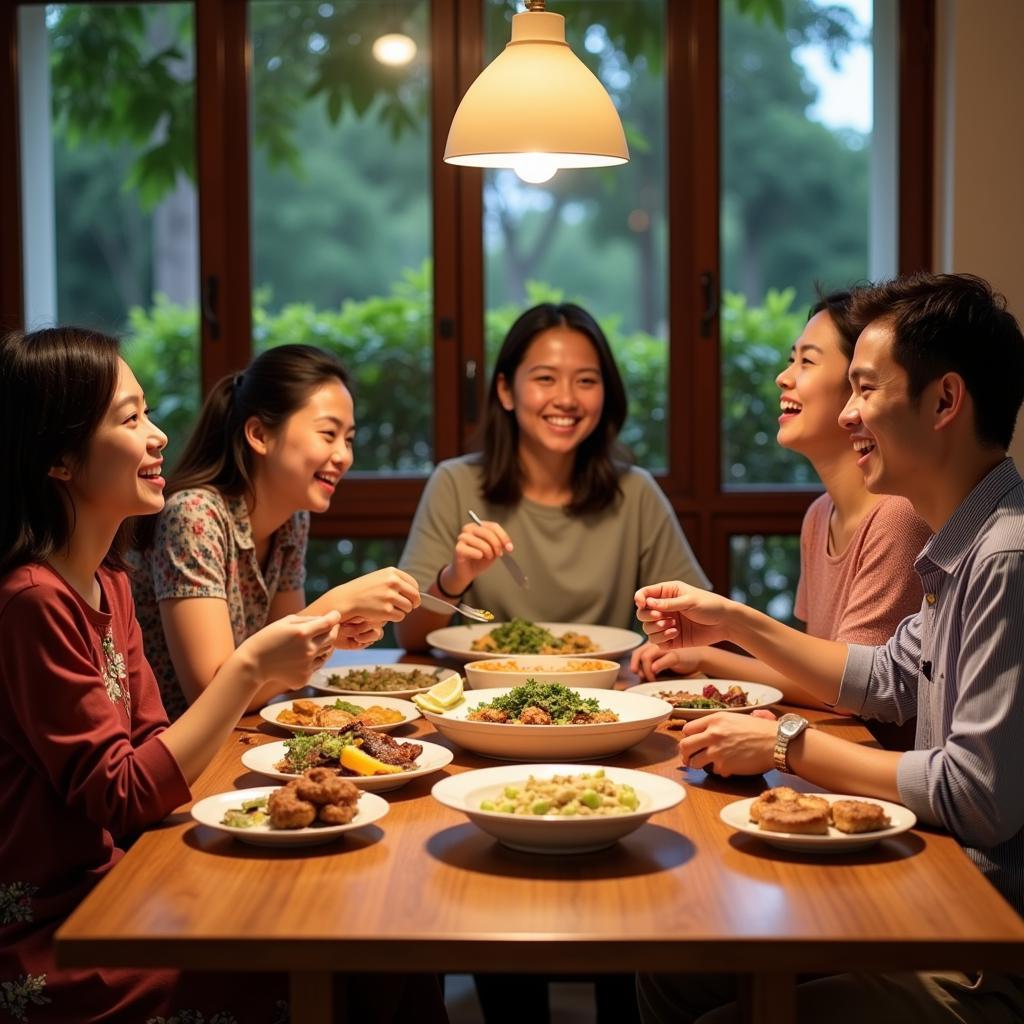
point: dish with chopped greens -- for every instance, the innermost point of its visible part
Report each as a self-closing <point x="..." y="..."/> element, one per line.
<point x="604" y="641"/>
<point x="522" y="637"/>
<point x="542" y="704"/>
<point x="627" y="718"/>
<point x="400" y="680"/>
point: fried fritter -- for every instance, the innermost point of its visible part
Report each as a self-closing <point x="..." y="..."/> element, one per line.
<point x="323" y="786"/>
<point x="337" y="814"/>
<point x="859" y="816"/>
<point x="288" y="810"/>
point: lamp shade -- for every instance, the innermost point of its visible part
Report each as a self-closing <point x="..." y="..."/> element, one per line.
<point x="536" y="103"/>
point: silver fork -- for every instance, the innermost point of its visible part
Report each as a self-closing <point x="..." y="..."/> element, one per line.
<point x="446" y="607"/>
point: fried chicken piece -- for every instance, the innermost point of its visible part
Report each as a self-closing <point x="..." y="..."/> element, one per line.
<point x="488" y="715"/>
<point x="603" y="716"/>
<point x="771" y="796"/>
<point x="859" y="816"/>
<point x="322" y="786"/>
<point x="532" y="715"/>
<point x="287" y="810"/>
<point x="337" y="814"/>
<point x="333" y="718"/>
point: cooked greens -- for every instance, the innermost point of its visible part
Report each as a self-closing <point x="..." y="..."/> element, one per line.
<point x="312" y="750"/>
<point x="561" y="703"/>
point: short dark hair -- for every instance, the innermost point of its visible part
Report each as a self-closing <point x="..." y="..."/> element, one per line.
<point x="839" y="306"/>
<point x="217" y="455"/>
<point x="944" y="323"/>
<point x="55" y="388"/>
<point x="599" y="459"/>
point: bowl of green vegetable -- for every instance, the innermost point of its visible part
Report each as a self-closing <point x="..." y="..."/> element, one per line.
<point x="543" y="721"/>
<point x="558" y="808"/>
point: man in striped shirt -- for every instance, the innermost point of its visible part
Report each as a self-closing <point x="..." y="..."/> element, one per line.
<point x="938" y="380"/>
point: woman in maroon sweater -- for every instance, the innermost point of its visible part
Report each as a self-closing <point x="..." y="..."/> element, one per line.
<point x="87" y="758"/>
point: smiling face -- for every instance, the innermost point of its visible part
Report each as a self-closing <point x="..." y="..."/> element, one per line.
<point x="299" y="465"/>
<point x="814" y="388"/>
<point x="121" y="474"/>
<point x="890" y="433"/>
<point x="557" y="391"/>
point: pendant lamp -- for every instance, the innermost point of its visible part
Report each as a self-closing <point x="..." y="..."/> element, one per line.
<point x="536" y="107"/>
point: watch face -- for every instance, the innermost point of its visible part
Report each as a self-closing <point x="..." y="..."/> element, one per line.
<point x="790" y="724"/>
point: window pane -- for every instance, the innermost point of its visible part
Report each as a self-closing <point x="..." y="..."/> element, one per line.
<point x="330" y="562"/>
<point x="595" y="237"/>
<point x="799" y="155"/>
<point x="341" y="207"/>
<point x="764" y="572"/>
<point x="107" y="96"/>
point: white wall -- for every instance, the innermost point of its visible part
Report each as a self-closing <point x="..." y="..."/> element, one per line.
<point x="979" y="148"/>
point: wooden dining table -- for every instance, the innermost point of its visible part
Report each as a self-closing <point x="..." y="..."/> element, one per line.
<point x="425" y="890"/>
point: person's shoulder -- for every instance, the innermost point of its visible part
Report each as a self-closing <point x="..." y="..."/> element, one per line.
<point x="897" y="514"/>
<point x="462" y="471"/>
<point x="196" y="503"/>
<point x="820" y="508"/>
<point x="635" y="480"/>
<point x="34" y="586"/>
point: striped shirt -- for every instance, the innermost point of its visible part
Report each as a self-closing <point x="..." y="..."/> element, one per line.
<point x="959" y="665"/>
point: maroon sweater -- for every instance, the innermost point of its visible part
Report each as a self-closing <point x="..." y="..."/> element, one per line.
<point x="82" y="768"/>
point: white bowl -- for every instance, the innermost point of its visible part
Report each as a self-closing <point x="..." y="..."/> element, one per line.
<point x="409" y="712"/>
<point x="760" y="694"/>
<point x="611" y="642"/>
<point x="639" y="716"/>
<point x="212" y="809"/>
<point x="480" y="675"/>
<point x="318" y="680"/>
<point x="550" y="833"/>
<point x="263" y="759"/>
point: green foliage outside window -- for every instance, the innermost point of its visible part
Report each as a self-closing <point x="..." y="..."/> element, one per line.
<point x="385" y="341"/>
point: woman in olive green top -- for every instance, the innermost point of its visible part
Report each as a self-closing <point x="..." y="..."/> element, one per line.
<point x="549" y="484"/>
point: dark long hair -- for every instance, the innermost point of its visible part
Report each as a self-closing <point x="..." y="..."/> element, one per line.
<point x="595" y="474"/>
<point x="55" y="388"/>
<point x="840" y="307"/>
<point x="217" y="455"/>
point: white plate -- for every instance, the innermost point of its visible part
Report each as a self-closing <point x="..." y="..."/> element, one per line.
<point x="408" y="709"/>
<point x="318" y="680"/>
<point x="434" y="757"/>
<point x="762" y="696"/>
<point x="639" y="716"/>
<point x="611" y="642"/>
<point x="549" y="833"/>
<point x="212" y="809"/>
<point x="737" y="815"/>
<point x="544" y="668"/>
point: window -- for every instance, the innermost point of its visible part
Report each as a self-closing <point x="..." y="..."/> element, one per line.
<point x="109" y="216"/>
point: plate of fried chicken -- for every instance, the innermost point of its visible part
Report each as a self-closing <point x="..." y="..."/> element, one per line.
<point x="315" y="808"/>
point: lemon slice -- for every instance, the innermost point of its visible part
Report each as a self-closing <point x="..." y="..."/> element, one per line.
<point x="448" y="692"/>
<point x="427" y="703"/>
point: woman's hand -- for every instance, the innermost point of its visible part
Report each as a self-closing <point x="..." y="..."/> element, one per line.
<point x="289" y="650"/>
<point x="477" y="548"/>
<point x="355" y="634"/>
<point x="730" y="743"/>
<point x="676" y="615"/>
<point x="650" y="659"/>
<point x="387" y="595"/>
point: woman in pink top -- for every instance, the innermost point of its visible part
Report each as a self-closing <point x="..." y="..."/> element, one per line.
<point x="857" y="549"/>
<point x="87" y="758"/>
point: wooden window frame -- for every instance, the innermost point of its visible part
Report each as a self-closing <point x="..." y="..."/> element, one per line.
<point x="382" y="506"/>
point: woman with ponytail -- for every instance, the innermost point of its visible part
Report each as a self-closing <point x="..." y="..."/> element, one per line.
<point x="226" y="556"/>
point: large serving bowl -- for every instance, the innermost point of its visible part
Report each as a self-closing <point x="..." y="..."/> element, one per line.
<point x="485" y="675"/>
<point x="639" y="716"/>
<point x="550" y="833"/>
<point x="610" y="641"/>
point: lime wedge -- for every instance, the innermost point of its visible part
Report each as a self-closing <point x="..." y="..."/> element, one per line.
<point x="427" y="703"/>
<point x="448" y="692"/>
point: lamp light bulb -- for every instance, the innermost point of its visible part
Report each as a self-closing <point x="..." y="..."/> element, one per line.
<point x="535" y="168"/>
<point x="395" y="49"/>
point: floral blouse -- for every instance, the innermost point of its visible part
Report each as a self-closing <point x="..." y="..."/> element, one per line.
<point x="203" y="547"/>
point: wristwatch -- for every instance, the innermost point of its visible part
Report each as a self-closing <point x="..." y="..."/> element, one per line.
<point x="790" y="726"/>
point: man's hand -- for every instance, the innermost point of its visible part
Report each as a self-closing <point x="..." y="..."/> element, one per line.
<point x="730" y="743"/>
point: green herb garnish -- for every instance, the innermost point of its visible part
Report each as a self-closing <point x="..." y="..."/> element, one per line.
<point x="561" y="703"/>
<point x="309" y="751"/>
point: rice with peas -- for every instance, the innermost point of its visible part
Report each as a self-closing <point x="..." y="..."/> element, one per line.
<point x="590" y="795"/>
